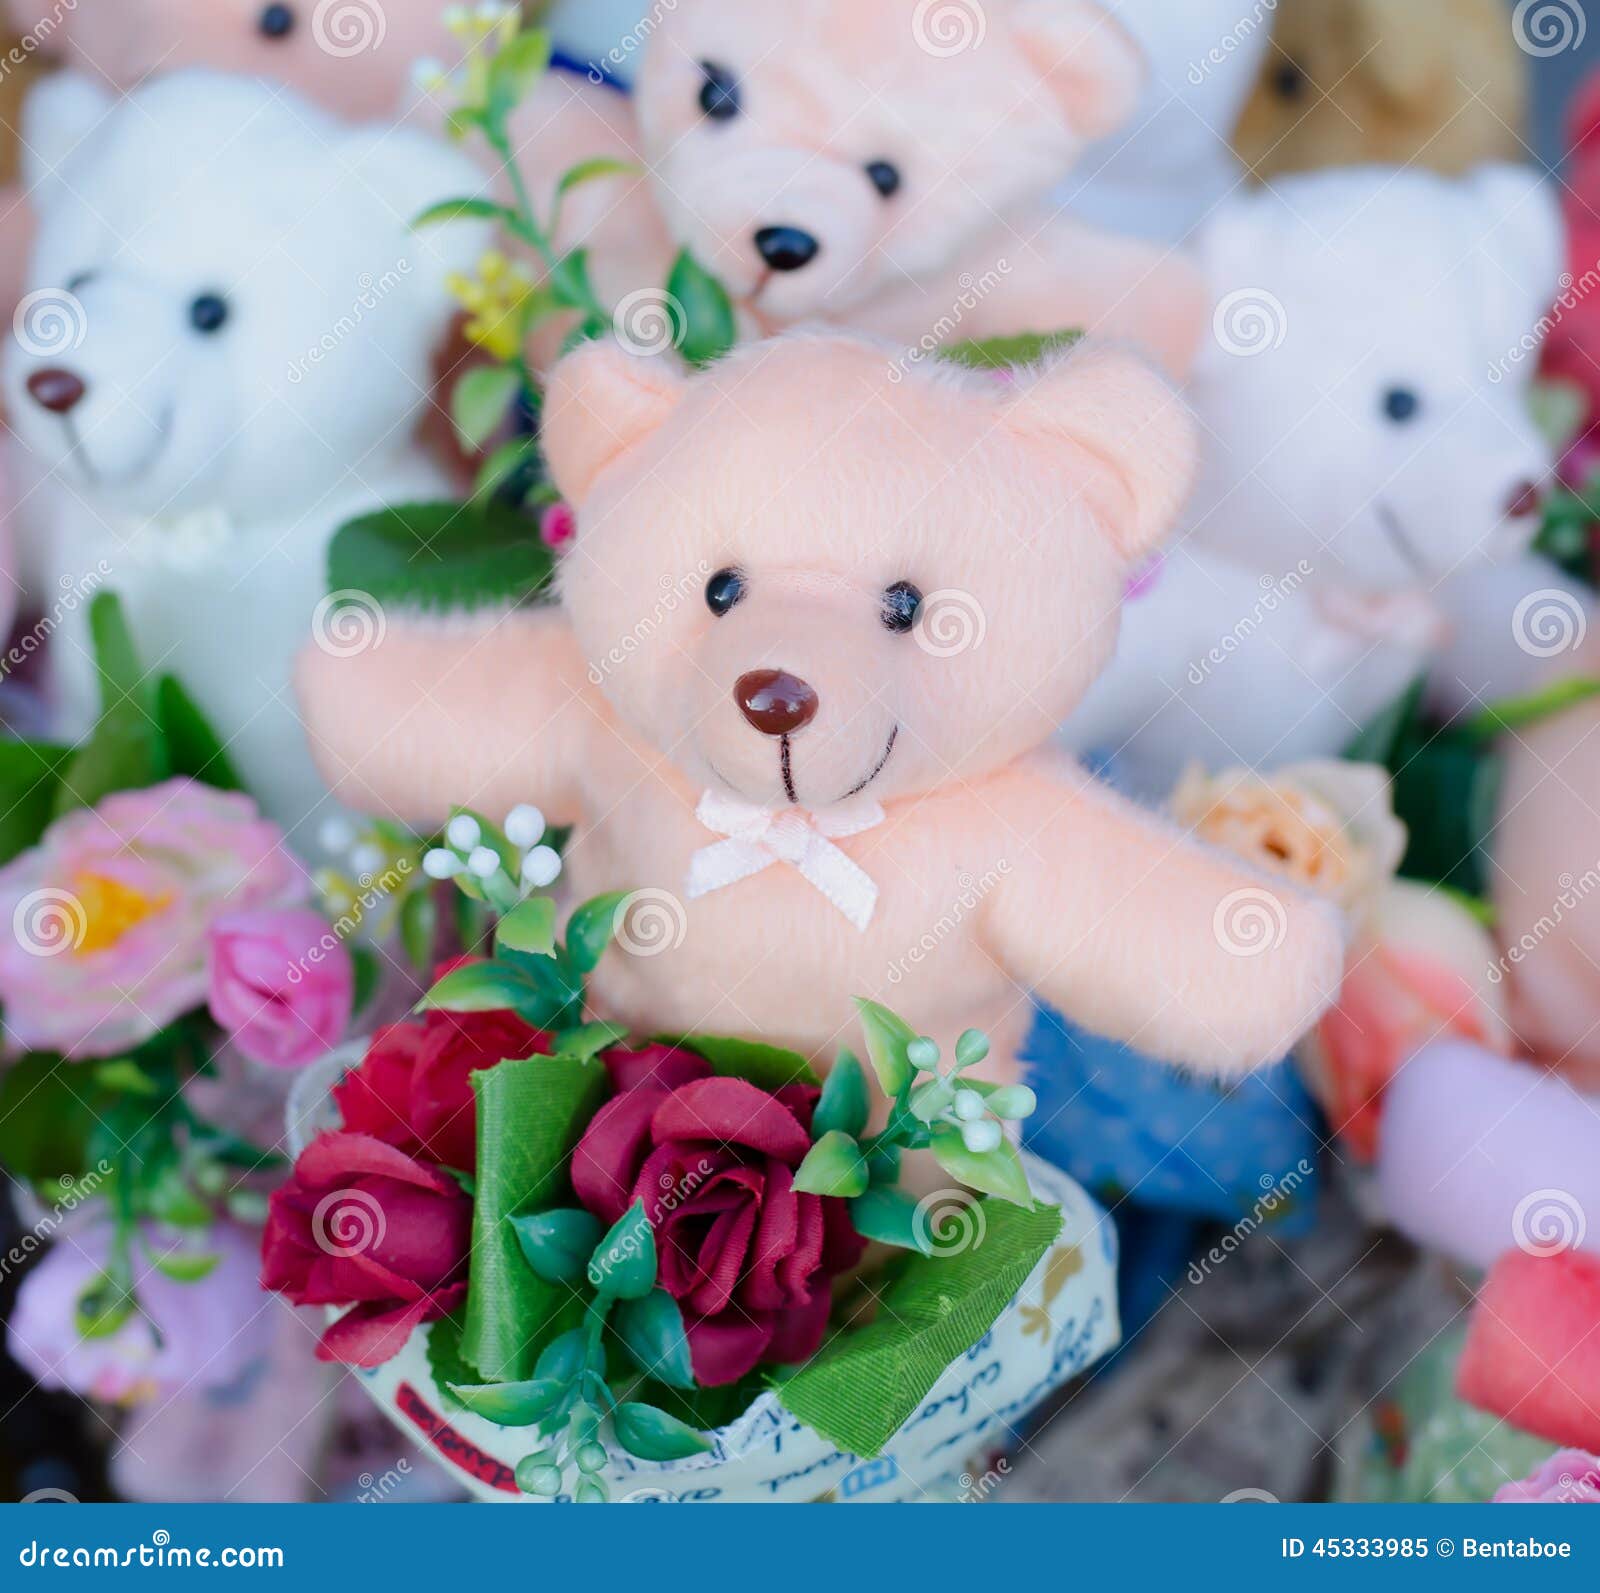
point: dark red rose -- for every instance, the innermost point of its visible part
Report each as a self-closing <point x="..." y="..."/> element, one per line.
<point x="413" y="1090"/>
<point x="360" y="1223"/>
<point x="747" y="1258"/>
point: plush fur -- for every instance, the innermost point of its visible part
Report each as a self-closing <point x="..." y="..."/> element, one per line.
<point x="1440" y="84"/>
<point x="1313" y="577"/>
<point x="969" y="246"/>
<point x="208" y="471"/>
<point x="1163" y="173"/>
<point x="812" y="466"/>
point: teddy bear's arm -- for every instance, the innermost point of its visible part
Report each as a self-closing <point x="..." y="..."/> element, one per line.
<point x="484" y="712"/>
<point x="1065" y="277"/>
<point x="1141" y="935"/>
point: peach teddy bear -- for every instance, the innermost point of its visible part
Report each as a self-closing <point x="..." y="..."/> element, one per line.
<point x="847" y="161"/>
<point x="822" y="619"/>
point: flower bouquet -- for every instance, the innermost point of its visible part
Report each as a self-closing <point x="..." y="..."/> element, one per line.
<point x="582" y="1267"/>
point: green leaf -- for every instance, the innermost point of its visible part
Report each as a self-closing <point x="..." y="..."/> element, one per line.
<point x="707" y="326"/>
<point x="30" y="782"/>
<point x="846" y="1101"/>
<point x="509" y="1404"/>
<point x="531" y="1114"/>
<point x="445" y="1360"/>
<point x="513" y="462"/>
<point x="768" y="1067"/>
<point x="1518" y="713"/>
<point x="887" y="1040"/>
<point x="479" y="987"/>
<point x="530" y="927"/>
<point x="564" y="1357"/>
<point x="366" y="972"/>
<point x="651" y="1330"/>
<point x="441" y="557"/>
<point x="590" y="1040"/>
<point x="624" y="1262"/>
<point x="930" y="1099"/>
<point x="1005" y="353"/>
<point x="586" y="171"/>
<point x="103" y="1307"/>
<point x="590" y="929"/>
<point x="833" y="1166"/>
<point x="127" y="750"/>
<point x="419" y="927"/>
<point x="558" y="1243"/>
<point x="169" y="1199"/>
<point x="1378" y="741"/>
<point x="517" y="68"/>
<point x="891" y="1217"/>
<point x="570" y="283"/>
<point x="125" y="1075"/>
<point x="480" y="400"/>
<point x="651" y="1434"/>
<point x="883" y="1164"/>
<point x="997" y="1172"/>
<point x="193" y="747"/>
<point x="864" y="1384"/>
<point x="184" y="1266"/>
<point x="45" y="1118"/>
<point x="463" y="210"/>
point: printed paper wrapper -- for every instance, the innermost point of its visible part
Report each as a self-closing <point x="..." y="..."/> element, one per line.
<point x="1062" y="1320"/>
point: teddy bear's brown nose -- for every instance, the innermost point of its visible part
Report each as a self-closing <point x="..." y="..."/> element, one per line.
<point x="774" y="701"/>
<point x="56" y="389"/>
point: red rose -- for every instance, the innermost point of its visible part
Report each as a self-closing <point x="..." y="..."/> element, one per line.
<point x="746" y="1257"/>
<point x="413" y="1090"/>
<point x="360" y="1223"/>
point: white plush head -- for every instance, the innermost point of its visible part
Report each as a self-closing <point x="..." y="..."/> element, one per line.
<point x="1365" y="389"/>
<point x="231" y="309"/>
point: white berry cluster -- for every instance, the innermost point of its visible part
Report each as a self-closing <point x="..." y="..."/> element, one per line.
<point x="976" y="1108"/>
<point x="468" y="849"/>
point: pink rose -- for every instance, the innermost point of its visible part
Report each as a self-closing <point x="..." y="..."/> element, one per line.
<point x="1570" y="1476"/>
<point x="110" y="914"/>
<point x="282" y="984"/>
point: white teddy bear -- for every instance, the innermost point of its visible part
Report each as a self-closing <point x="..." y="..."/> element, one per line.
<point x="224" y="356"/>
<point x="1368" y="452"/>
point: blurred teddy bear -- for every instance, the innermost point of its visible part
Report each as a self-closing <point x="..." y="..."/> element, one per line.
<point x="1436" y="83"/>
<point x="224" y="356"/>
<point x="1362" y="455"/>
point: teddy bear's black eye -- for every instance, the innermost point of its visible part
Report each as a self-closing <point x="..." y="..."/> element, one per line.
<point x="885" y="177"/>
<point x="208" y="312"/>
<point x="719" y="94"/>
<point x="900" y="603"/>
<point x="1288" y="81"/>
<point x="723" y="590"/>
<point x="1400" y="404"/>
<point x="276" y="22"/>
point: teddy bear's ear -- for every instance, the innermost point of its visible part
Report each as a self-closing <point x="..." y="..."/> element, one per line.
<point x="58" y="115"/>
<point x="1521" y="248"/>
<point x="1086" y="61"/>
<point x="1118" y="409"/>
<point x="601" y="401"/>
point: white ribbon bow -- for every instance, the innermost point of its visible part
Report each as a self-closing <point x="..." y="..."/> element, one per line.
<point x="760" y="837"/>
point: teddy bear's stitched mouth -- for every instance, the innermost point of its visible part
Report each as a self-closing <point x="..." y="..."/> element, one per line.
<point x="877" y="768"/>
<point x="78" y="452"/>
<point x="1398" y="537"/>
